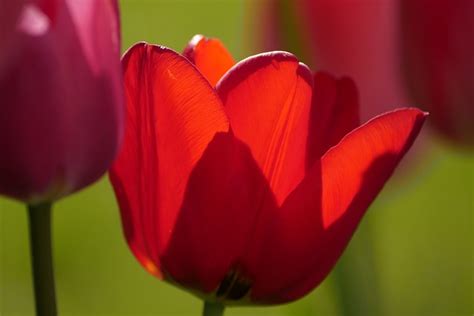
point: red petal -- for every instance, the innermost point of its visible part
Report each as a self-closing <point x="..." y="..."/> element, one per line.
<point x="268" y="98"/>
<point x="172" y="115"/>
<point x="224" y="194"/>
<point x="308" y="234"/>
<point x="334" y="113"/>
<point x="210" y="56"/>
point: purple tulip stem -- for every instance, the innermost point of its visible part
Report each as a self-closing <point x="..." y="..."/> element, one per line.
<point x="213" y="309"/>
<point x="42" y="259"/>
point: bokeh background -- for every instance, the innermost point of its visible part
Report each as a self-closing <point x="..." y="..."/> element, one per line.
<point x="412" y="255"/>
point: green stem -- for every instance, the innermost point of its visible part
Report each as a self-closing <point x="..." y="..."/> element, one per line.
<point x="355" y="276"/>
<point x="213" y="309"/>
<point x="42" y="259"/>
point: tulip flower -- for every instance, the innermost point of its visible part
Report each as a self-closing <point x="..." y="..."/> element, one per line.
<point x="437" y="38"/>
<point x="247" y="193"/>
<point x="61" y="110"/>
<point x="61" y="113"/>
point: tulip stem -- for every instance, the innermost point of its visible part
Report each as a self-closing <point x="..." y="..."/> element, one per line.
<point x="213" y="309"/>
<point x="42" y="259"/>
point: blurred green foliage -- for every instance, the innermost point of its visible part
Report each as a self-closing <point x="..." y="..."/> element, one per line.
<point x="412" y="255"/>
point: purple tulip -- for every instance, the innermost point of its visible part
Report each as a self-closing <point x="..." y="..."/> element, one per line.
<point x="61" y="110"/>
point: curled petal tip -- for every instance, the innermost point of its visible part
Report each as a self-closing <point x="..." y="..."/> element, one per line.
<point x="305" y="73"/>
<point x="210" y="56"/>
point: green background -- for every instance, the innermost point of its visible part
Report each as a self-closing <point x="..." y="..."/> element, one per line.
<point x="412" y="255"/>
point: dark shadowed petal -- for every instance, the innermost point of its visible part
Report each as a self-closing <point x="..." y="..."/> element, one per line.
<point x="210" y="56"/>
<point x="225" y="192"/>
<point x="172" y="115"/>
<point x="334" y="113"/>
<point x="267" y="98"/>
<point x="312" y="228"/>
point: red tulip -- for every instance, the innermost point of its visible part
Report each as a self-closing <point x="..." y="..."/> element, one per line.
<point x="244" y="193"/>
<point x="438" y="38"/>
<point x="61" y="92"/>
<point x="357" y="38"/>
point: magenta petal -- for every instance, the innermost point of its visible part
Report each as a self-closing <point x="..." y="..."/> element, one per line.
<point x="9" y="14"/>
<point x="62" y="104"/>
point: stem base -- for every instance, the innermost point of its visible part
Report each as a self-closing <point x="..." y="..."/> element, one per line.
<point x="42" y="259"/>
<point x="213" y="309"/>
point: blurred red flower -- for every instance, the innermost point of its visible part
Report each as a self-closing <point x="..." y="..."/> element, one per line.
<point x="61" y="90"/>
<point x="386" y="46"/>
<point x="355" y="38"/>
<point x="438" y="46"/>
<point x="249" y="192"/>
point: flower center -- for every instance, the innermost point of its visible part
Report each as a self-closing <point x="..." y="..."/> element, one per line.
<point x="234" y="286"/>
